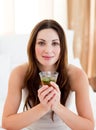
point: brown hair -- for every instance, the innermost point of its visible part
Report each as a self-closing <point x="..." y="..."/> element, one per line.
<point x="32" y="79"/>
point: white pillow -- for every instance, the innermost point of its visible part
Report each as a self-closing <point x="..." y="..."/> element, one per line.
<point x="69" y="39"/>
<point x="4" y="74"/>
<point x="15" y="46"/>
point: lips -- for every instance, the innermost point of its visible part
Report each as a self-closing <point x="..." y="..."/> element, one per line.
<point x="47" y="57"/>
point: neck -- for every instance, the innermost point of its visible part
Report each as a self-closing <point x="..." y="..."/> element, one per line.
<point x="47" y="68"/>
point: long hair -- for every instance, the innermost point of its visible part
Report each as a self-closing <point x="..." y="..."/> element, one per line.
<point x="32" y="79"/>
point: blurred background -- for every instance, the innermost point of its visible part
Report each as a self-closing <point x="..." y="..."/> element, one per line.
<point x="19" y="17"/>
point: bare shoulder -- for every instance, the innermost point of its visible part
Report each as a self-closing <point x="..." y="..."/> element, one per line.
<point x="20" y="69"/>
<point x="78" y="78"/>
<point x="17" y="74"/>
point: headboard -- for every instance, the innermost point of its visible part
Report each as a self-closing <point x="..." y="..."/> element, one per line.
<point x="14" y="47"/>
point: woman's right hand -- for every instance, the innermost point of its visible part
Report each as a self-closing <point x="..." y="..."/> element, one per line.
<point x="46" y="94"/>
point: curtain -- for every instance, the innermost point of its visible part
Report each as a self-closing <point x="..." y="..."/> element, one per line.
<point x="82" y="19"/>
<point x="7" y="19"/>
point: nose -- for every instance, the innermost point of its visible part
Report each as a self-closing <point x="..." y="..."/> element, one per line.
<point x="48" y="48"/>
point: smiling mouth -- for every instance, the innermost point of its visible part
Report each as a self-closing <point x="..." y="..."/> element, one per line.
<point x="47" y="57"/>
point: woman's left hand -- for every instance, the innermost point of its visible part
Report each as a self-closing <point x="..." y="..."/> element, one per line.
<point x="57" y="96"/>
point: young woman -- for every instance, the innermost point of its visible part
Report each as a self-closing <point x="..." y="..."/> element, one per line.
<point x="45" y="107"/>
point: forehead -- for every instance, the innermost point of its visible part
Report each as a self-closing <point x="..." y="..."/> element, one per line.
<point x="47" y="33"/>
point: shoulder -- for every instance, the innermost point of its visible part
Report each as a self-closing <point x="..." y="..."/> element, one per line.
<point x="18" y="73"/>
<point x="20" y="69"/>
<point x="77" y="77"/>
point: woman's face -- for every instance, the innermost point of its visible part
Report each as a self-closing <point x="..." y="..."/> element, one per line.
<point x="47" y="48"/>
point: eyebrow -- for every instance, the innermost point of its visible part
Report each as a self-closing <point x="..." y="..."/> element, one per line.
<point x="55" y="40"/>
<point x="45" y="40"/>
<point x="41" y="39"/>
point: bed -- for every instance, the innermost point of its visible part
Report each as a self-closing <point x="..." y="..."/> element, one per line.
<point x="13" y="52"/>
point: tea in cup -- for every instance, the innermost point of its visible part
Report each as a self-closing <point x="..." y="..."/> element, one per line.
<point x="48" y="76"/>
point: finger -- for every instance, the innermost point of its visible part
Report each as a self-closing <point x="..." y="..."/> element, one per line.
<point x="52" y="100"/>
<point x="55" y="86"/>
<point x="44" y="93"/>
<point x="50" y="95"/>
<point x="40" y="90"/>
<point x="47" y="91"/>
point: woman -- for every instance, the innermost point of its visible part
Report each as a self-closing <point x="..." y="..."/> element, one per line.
<point x="45" y="107"/>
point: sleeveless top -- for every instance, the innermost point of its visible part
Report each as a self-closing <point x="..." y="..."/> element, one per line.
<point x="46" y="123"/>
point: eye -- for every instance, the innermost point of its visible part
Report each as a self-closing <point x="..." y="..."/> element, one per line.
<point x="41" y="43"/>
<point x="55" y="43"/>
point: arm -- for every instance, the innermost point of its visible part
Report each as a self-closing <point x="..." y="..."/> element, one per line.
<point x="12" y="120"/>
<point x="84" y="120"/>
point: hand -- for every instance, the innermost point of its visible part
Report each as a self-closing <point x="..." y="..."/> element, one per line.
<point x="57" y="95"/>
<point x="46" y="96"/>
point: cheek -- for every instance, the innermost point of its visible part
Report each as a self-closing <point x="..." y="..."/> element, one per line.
<point x="37" y="51"/>
<point x="58" y="51"/>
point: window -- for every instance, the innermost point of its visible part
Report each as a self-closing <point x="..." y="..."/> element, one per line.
<point x="20" y="16"/>
<point x="26" y="15"/>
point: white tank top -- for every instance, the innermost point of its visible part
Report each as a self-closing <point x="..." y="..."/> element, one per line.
<point x="46" y="123"/>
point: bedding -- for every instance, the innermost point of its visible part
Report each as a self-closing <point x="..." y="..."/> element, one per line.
<point x="4" y="74"/>
<point x="12" y="53"/>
